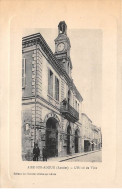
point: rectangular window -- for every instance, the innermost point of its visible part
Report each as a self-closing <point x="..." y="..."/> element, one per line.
<point x="68" y="68"/>
<point x="76" y="105"/>
<point x="56" y="88"/>
<point x="23" y="72"/>
<point x="50" y="82"/>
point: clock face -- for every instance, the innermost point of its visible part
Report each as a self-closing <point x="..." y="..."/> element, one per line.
<point x="60" y="46"/>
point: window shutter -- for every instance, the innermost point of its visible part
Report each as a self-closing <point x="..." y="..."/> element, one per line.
<point x="48" y="81"/>
<point x="51" y="88"/>
<point x="23" y="72"/>
<point x="56" y="88"/>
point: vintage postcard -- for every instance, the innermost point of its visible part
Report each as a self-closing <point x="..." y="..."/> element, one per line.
<point x="61" y="94"/>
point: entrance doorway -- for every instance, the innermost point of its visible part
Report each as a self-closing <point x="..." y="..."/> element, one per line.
<point x="52" y="137"/>
<point x="68" y="139"/>
<point x="76" y="141"/>
<point x="92" y="146"/>
<point x="86" y="145"/>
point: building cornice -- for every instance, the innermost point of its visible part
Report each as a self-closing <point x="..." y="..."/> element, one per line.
<point x="44" y="103"/>
<point x="87" y="117"/>
<point x="42" y="99"/>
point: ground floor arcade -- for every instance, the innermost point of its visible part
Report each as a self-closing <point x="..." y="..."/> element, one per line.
<point x="61" y="137"/>
<point x="49" y="128"/>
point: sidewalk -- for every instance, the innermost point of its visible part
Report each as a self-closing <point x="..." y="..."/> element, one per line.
<point x="61" y="159"/>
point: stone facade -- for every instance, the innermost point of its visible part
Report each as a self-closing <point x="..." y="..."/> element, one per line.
<point x="97" y="137"/>
<point x="51" y="103"/>
<point x="92" y="136"/>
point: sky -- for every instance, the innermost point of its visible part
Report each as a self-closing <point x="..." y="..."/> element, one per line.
<point x="86" y="57"/>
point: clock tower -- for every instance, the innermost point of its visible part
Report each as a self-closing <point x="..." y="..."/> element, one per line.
<point x="62" y="48"/>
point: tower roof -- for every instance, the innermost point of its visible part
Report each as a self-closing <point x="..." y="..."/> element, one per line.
<point x="62" y="27"/>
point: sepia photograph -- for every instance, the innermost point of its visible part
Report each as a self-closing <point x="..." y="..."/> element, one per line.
<point x="61" y="94"/>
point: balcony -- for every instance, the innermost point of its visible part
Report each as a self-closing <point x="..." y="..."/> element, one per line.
<point x="69" y="112"/>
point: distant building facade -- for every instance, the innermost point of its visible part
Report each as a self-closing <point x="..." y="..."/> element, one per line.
<point x="97" y="137"/>
<point x="51" y="103"/>
<point x="86" y="132"/>
<point x="91" y="135"/>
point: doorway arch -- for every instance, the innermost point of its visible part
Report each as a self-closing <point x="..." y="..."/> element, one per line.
<point x="51" y="141"/>
<point x="68" y="139"/>
<point x="76" y="141"/>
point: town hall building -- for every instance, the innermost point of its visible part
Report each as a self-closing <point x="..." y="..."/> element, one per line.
<point x="51" y="103"/>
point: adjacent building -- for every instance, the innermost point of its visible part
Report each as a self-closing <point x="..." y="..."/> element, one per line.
<point x="91" y="134"/>
<point x="97" y="137"/>
<point x="51" y="103"/>
<point x="86" y="132"/>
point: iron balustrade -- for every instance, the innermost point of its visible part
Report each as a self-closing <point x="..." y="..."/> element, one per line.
<point x="69" y="112"/>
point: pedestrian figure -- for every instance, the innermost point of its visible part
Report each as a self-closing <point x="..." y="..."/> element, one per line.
<point x="44" y="153"/>
<point x="36" y="152"/>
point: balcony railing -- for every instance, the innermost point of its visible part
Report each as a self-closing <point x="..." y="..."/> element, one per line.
<point x="69" y="112"/>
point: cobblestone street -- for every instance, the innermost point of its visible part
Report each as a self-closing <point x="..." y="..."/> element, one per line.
<point x="93" y="157"/>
